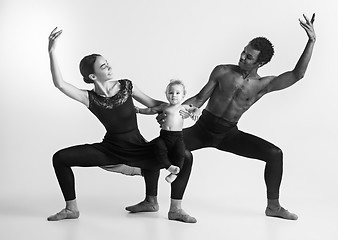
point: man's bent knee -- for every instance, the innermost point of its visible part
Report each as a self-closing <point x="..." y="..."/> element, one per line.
<point x="276" y="153"/>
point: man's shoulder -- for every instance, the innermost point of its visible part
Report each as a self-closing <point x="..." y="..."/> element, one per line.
<point x="223" y="70"/>
<point x="226" y="67"/>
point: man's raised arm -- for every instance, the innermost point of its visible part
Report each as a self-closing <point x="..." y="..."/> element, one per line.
<point x="289" y="78"/>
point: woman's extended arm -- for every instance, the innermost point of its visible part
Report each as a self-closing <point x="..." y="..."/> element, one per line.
<point x="68" y="89"/>
<point x="141" y="97"/>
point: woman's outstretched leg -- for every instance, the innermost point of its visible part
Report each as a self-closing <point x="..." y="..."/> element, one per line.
<point x="63" y="160"/>
<point x="70" y="212"/>
<point x="177" y="191"/>
<point x="149" y="204"/>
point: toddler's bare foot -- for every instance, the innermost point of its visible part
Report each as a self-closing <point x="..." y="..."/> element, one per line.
<point x="173" y="169"/>
<point x="182" y="216"/>
<point x="170" y="178"/>
<point x="280" y="213"/>
<point x="64" y="214"/>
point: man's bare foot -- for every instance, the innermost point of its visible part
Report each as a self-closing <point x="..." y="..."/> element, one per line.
<point x="170" y="178"/>
<point x="64" y="214"/>
<point x="143" y="206"/>
<point x="182" y="216"/>
<point x="280" y="213"/>
<point x="173" y="169"/>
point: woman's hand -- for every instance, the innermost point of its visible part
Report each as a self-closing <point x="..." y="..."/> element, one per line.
<point x="52" y="39"/>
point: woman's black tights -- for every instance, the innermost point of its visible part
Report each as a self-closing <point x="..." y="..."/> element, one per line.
<point x="89" y="156"/>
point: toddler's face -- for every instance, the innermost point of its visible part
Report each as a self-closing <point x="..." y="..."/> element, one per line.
<point x="175" y="94"/>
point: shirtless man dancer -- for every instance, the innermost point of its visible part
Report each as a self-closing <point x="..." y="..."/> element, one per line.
<point x="231" y="91"/>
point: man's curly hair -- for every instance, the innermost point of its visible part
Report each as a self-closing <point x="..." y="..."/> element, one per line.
<point x="265" y="47"/>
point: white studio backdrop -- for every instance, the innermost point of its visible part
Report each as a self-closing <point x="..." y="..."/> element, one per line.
<point x="151" y="42"/>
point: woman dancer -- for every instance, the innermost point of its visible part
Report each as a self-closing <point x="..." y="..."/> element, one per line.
<point x="111" y="102"/>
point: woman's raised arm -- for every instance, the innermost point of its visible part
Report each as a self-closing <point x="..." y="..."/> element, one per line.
<point x="67" y="88"/>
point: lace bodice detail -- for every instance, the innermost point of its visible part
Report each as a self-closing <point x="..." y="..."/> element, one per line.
<point x="118" y="99"/>
<point x="116" y="113"/>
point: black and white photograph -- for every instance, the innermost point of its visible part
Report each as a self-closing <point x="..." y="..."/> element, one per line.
<point x="158" y="120"/>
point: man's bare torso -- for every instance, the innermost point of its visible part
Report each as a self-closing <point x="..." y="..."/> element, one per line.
<point x="234" y="94"/>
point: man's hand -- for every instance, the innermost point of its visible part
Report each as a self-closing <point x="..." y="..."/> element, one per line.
<point x="185" y="114"/>
<point x="308" y="27"/>
<point x="161" y="118"/>
<point x="195" y="113"/>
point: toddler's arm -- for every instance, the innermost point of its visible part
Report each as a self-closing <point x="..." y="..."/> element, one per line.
<point x="149" y="111"/>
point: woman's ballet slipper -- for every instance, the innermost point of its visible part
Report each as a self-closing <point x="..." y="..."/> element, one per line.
<point x="64" y="214"/>
<point x="143" y="206"/>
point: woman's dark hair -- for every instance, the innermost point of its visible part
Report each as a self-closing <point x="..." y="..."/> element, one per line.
<point x="265" y="47"/>
<point x="87" y="67"/>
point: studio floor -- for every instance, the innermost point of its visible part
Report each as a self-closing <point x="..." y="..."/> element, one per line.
<point x="226" y="207"/>
<point x="25" y="218"/>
